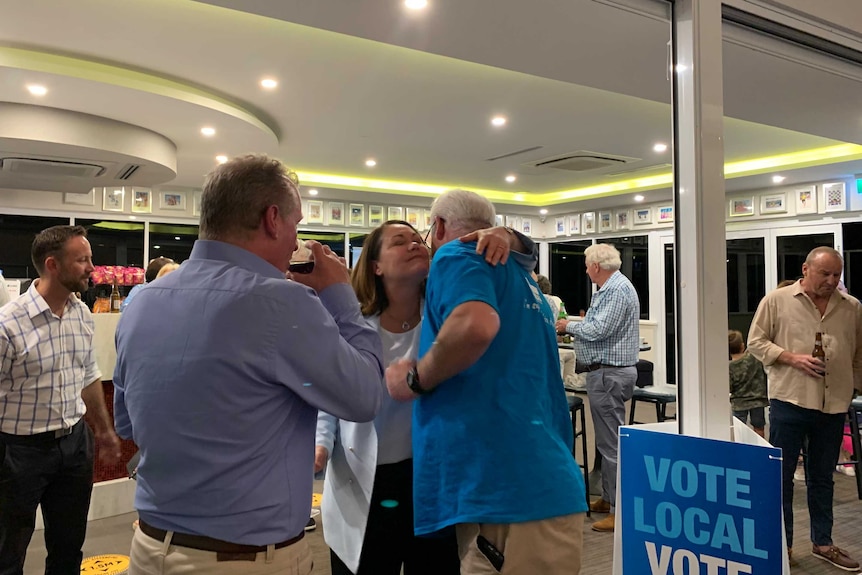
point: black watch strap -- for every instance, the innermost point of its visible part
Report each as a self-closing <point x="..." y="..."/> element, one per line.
<point x="413" y="382"/>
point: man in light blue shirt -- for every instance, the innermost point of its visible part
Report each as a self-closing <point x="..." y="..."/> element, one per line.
<point x="606" y="346"/>
<point x="222" y="397"/>
<point x="153" y="268"/>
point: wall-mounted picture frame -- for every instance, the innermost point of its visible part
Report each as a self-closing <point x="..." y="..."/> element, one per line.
<point x="606" y="222"/>
<point x="142" y="201"/>
<point x="88" y="199"/>
<point x="574" y="224"/>
<point x="589" y="222"/>
<point x="560" y="226"/>
<point x="395" y="213"/>
<point x="427" y="219"/>
<point x="623" y="220"/>
<point x="113" y="199"/>
<point x="498" y="219"/>
<point x="527" y="226"/>
<point x="513" y="222"/>
<point x="315" y="212"/>
<point x="773" y="203"/>
<point x="197" y="199"/>
<point x="806" y="200"/>
<point x="375" y="216"/>
<point x="642" y="216"/>
<point x="834" y="197"/>
<point x="357" y="215"/>
<point x="740" y="207"/>
<point x="665" y="214"/>
<point x="171" y="200"/>
<point x="335" y="213"/>
<point x="414" y="217"/>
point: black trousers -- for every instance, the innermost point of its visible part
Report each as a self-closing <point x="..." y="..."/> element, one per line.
<point x="58" y="474"/>
<point x="389" y="541"/>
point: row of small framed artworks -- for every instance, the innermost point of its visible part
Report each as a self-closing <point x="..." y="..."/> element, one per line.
<point x="354" y="215"/>
<point x="114" y="200"/>
<point x="804" y="200"/>
<point x="609" y="221"/>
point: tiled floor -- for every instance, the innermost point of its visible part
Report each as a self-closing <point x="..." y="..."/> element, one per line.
<point x="114" y="535"/>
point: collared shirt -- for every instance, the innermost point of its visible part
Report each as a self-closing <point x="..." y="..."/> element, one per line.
<point x="221" y="368"/>
<point x="45" y="362"/>
<point x="132" y="293"/>
<point x="610" y="331"/>
<point x="787" y="320"/>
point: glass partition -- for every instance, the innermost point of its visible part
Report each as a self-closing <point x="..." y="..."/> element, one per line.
<point x="791" y="252"/>
<point x="634" y="252"/>
<point x="569" y="279"/>
<point x="16" y="240"/>
<point x="173" y="241"/>
<point x="746" y="281"/>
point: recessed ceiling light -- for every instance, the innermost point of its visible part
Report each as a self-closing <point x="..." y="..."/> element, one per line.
<point x="370" y="162"/>
<point x="177" y="237"/>
<point x="660" y="147"/>
<point x="543" y="211"/>
<point x="416" y="4"/>
<point x="778" y="179"/>
<point x="312" y="192"/>
<point x="639" y="198"/>
<point x="207" y="131"/>
<point x="510" y="178"/>
<point x="37" y="89"/>
<point x="157" y="247"/>
<point x="269" y="83"/>
<point x="499" y="121"/>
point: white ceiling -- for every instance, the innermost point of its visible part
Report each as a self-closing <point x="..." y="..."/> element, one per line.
<point x="415" y="91"/>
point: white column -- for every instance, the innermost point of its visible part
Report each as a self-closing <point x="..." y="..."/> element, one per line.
<point x="544" y="264"/>
<point x="701" y="275"/>
<point x="146" y="261"/>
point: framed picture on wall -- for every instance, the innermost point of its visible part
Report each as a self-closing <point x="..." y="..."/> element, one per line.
<point x="526" y="226"/>
<point x="806" y="200"/>
<point x="315" y="212"/>
<point x="575" y="224"/>
<point x="589" y="222"/>
<point x="335" y="213"/>
<point x="773" y="204"/>
<point x="741" y="207"/>
<point x="88" y="199"/>
<point x="375" y="216"/>
<point x="513" y="222"/>
<point x="623" y="221"/>
<point x="834" y="198"/>
<point x="427" y="219"/>
<point x="414" y="215"/>
<point x="197" y="198"/>
<point x="395" y="213"/>
<point x="113" y="199"/>
<point x="498" y="220"/>
<point x="665" y="214"/>
<point x="560" y="226"/>
<point x="606" y="222"/>
<point x="173" y="201"/>
<point x="643" y="216"/>
<point x="142" y="201"/>
<point x="357" y="215"/>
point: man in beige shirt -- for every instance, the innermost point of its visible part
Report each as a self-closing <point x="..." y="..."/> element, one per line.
<point x="809" y="398"/>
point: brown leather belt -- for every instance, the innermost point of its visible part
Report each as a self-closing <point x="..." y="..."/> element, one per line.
<point x="224" y="550"/>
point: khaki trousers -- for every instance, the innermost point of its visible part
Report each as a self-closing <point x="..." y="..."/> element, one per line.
<point x="549" y="546"/>
<point x="153" y="557"/>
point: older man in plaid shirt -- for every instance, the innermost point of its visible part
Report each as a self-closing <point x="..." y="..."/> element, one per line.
<point x="606" y="344"/>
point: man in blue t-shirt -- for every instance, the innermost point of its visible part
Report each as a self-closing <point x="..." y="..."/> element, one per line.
<point x="492" y="437"/>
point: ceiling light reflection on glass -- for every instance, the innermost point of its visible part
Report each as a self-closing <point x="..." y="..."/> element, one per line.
<point x="37" y="89"/>
<point x="498" y="121"/>
<point x="269" y="83"/>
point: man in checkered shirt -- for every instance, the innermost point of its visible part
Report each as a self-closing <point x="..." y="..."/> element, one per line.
<point x="606" y="346"/>
<point x="48" y="381"/>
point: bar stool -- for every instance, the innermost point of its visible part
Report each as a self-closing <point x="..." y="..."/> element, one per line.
<point x="576" y="406"/>
<point x="658" y="395"/>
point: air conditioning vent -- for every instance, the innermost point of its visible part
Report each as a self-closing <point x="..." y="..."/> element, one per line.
<point x="126" y="171"/>
<point x="49" y="168"/>
<point x="582" y="161"/>
<point x="640" y="170"/>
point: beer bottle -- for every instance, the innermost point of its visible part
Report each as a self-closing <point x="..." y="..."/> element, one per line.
<point x="818" y="351"/>
<point x="115" y="298"/>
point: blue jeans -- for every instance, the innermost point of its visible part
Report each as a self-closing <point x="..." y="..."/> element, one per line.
<point x="789" y="426"/>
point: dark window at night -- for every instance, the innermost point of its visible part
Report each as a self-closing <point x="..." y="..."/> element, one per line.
<point x="746" y="281"/>
<point x="173" y="241"/>
<point x="569" y="279"/>
<point x="852" y="233"/>
<point x="16" y="240"/>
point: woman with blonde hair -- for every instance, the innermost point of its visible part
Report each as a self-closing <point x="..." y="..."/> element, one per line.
<point x="368" y="489"/>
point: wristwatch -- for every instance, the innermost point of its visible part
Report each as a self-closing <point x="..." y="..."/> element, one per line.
<point x="413" y="382"/>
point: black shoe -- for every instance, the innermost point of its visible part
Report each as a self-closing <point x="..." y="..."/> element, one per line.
<point x="311" y="525"/>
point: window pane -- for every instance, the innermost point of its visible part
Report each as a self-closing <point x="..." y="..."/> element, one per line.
<point x="173" y="241"/>
<point x="670" y="316"/>
<point x="635" y="257"/>
<point x="16" y="238"/>
<point x="115" y="243"/>
<point x="357" y="241"/>
<point x="792" y="251"/>
<point x="853" y="257"/>
<point x="569" y="279"/>
<point x="746" y="281"/>
<point x="335" y="240"/>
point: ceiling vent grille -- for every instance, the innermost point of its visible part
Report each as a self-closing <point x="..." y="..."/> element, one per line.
<point x="127" y="171"/>
<point x="49" y="168"/>
<point x="582" y="161"/>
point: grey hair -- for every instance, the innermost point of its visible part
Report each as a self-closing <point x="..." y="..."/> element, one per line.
<point x="462" y="209"/>
<point x="606" y="255"/>
<point x="237" y="193"/>
<point x="820" y="250"/>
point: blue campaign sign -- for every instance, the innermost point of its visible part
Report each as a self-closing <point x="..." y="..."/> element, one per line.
<point x="694" y="506"/>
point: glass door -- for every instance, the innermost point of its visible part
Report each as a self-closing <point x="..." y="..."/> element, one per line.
<point x="793" y="244"/>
